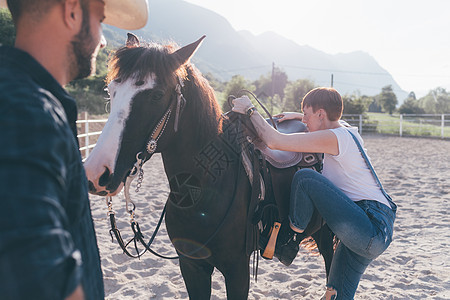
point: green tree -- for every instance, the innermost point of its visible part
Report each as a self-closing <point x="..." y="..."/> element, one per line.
<point x="271" y="84"/>
<point x="356" y="104"/>
<point x="387" y="99"/>
<point x="89" y="94"/>
<point x="101" y="65"/>
<point x="233" y="88"/>
<point x="411" y="105"/>
<point x="374" y="106"/>
<point x="437" y="101"/>
<point x="294" y="93"/>
<point x="7" y="30"/>
<point x="272" y="104"/>
<point x="215" y="83"/>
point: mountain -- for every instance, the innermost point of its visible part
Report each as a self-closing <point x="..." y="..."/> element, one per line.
<point x="226" y="52"/>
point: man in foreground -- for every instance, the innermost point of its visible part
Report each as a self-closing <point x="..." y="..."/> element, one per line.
<point x="48" y="248"/>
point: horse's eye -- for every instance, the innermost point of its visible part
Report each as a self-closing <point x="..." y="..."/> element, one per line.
<point x="139" y="83"/>
<point x="118" y="80"/>
<point x="157" y="95"/>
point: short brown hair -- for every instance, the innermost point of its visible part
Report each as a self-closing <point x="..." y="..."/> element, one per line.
<point x="37" y="8"/>
<point x="327" y="99"/>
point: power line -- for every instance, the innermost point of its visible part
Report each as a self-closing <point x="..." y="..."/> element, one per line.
<point x="365" y="86"/>
<point x="336" y="71"/>
<point x="356" y="86"/>
<point x="243" y="69"/>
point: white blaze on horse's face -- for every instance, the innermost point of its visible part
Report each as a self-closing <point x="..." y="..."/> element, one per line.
<point x="101" y="163"/>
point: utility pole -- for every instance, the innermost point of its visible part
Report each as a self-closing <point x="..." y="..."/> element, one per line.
<point x="331" y="79"/>
<point x="273" y="87"/>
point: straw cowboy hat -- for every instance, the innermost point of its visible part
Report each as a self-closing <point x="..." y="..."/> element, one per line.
<point x="125" y="14"/>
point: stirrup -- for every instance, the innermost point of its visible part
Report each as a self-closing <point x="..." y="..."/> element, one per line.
<point x="269" y="250"/>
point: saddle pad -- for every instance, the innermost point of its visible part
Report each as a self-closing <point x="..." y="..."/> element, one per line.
<point x="284" y="159"/>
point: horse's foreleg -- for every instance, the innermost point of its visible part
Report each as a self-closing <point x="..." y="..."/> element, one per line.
<point x="237" y="278"/>
<point x="197" y="277"/>
<point x="324" y="240"/>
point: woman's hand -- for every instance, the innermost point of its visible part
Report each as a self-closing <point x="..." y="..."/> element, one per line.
<point x="241" y="104"/>
<point x="289" y="116"/>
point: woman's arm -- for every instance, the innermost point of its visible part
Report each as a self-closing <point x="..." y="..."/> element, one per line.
<point x="323" y="141"/>
<point x="289" y="116"/>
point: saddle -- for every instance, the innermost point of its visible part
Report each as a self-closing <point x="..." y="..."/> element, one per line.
<point x="271" y="172"/>
<point x="285" y="159"/>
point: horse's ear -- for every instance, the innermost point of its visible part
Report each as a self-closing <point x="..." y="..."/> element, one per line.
<point x="182" y="55"/>
<point x="132" y="40"/>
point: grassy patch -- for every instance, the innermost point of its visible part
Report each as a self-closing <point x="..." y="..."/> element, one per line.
<point x="417" y="125"/>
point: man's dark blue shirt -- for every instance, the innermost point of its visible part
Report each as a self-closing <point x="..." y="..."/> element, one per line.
<point x="47" y="239"/>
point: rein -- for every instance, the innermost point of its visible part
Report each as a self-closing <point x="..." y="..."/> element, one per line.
<point x="137" y="170"/>
<point x="231" y="97"/>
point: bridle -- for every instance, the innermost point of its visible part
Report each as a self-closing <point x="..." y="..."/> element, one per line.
<point x="137" y="170"/>
<point x="157" y="132"/>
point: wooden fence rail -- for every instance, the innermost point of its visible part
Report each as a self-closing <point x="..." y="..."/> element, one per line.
<point x="423" y="125"/>
<point x="402" y="125"/>
<point x="88" y="134"/>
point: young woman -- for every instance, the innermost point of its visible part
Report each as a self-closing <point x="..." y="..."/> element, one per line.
<point x="347" y="194"/>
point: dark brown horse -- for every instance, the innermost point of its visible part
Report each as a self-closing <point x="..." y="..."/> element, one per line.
<point x="161" y="103"/>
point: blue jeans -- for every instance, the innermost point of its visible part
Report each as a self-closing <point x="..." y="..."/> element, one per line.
<point x="364" y="228"/>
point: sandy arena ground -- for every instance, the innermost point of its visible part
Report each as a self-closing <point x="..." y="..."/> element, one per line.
<point x="416" y="172"/>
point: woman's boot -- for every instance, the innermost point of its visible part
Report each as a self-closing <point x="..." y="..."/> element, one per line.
<point x="287" y="243"/>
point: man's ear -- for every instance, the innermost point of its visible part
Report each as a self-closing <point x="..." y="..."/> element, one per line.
<point x="322" y="112"/>
<point x="72" y="13"/>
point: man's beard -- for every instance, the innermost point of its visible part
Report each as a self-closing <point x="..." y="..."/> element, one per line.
<point x="84" y="58"/>
<point x="83" y="50"/>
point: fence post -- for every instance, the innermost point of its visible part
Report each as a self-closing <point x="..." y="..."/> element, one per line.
<point x="401" y="125"/>
<point x="86" y="131"/>
<point x="360" y="124"/>
<point x="442" y="125"/>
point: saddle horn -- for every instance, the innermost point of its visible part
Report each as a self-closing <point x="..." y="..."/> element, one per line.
<point x="183" y="54"/>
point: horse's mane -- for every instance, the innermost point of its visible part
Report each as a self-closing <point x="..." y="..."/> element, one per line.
<point x="139" y="62"/>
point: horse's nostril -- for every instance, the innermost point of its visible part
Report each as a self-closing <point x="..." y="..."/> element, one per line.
<point x="104" y="179"/>
<point x="91" y="187"/>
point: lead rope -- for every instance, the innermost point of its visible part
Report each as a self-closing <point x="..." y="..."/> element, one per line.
<point x="138" y="236"/>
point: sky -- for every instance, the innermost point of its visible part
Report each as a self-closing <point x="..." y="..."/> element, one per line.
<point x="408" y="38"/>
